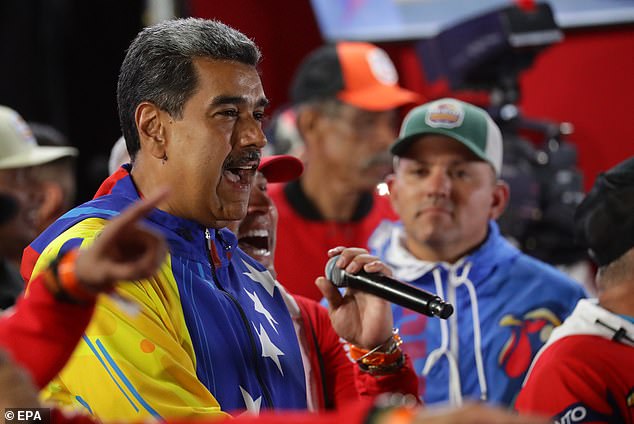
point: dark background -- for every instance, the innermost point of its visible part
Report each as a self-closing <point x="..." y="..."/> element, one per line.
<point x="59" y="61"/>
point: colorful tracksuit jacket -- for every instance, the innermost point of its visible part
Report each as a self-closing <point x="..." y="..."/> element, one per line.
<point x="209" y="334"/>
<point x="505" y="305"/>
<point x="585" y="373"/>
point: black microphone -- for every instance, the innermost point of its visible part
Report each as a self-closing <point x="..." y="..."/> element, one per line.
<point x="389" y="289"/>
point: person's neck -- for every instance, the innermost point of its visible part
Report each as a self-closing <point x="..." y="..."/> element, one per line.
<point x="147" y="180"/>
<point x="450" y="253"/>
<point x="430" y="254"/>
<point x="334" y="200"/>
<point x="142" y="179"/>
<point x="619" y="299"/>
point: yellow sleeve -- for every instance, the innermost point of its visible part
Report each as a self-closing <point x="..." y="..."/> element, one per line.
<point x="133" y="363"/>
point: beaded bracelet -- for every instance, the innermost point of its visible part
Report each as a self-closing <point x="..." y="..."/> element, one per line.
<point x="383" y="369"/>
<point x="383" y="359"/>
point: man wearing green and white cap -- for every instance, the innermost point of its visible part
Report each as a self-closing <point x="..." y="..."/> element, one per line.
<point x="447" y="194"/>
<point x="20" y="161"/>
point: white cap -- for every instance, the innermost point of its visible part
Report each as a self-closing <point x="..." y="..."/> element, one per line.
<point x="18" y="148"/>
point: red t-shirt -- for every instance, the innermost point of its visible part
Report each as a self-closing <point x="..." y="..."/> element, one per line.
<point x="304" y="238"/>
<point x="582" y="379"/>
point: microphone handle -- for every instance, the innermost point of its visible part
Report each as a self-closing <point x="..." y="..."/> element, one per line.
<point x="397" y="292"/>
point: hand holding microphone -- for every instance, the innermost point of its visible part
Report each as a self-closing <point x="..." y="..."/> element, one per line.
<point x="387" y="288"/>
<point x="361" y="319"/>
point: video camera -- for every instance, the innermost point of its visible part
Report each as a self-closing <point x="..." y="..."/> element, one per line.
<point x="488" y="52"/>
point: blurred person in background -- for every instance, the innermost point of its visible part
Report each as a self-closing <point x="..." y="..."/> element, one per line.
<point x="56" y="179"/>
<point x="585" y="372"/>
<point x="447" y="192"/>
<point x="11" y="284"/>
<point x="21" y="164"/>
<point x="346" y="99"/>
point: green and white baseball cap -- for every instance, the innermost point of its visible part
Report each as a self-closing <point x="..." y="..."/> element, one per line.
<point x="18" y="148"/>
<point x="464" y="122"/>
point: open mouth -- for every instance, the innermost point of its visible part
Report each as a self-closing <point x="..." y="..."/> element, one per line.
<point x="240" y="174"/>
<point x="242" y="169"/>
<point x="255" y="242"/>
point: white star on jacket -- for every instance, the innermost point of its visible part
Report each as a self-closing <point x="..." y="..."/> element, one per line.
<point x="263" y="277"/>
<point x="259" y="307"/>
<point x="253" y="406"/>
<point x="269" y="350"/>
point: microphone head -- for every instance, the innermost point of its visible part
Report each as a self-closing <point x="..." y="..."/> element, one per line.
<point x="334" y="273"/>
<point x="446" y="311"/>
<point x="438" y="308"/>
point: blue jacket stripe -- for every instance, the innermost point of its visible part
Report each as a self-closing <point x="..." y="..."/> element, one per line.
<point x="125" y="380"/>
<point x="92" y="347"/>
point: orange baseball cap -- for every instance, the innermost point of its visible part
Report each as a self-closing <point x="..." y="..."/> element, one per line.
<point x="360" y="74"/>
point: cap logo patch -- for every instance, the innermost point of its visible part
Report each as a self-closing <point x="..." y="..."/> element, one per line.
<point x="444" y="115"/>
<point x="23" y="129"/>
<point x="382" y="67"/>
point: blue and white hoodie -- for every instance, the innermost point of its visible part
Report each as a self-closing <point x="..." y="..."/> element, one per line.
<point x="506" y="304"/>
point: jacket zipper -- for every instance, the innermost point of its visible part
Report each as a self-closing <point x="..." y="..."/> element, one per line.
<point x="254" y="356"/>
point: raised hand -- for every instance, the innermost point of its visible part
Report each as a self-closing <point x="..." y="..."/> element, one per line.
<point x="360" y="318"/>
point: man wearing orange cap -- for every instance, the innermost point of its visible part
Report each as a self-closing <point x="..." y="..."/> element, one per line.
<point x="346" y="97"/>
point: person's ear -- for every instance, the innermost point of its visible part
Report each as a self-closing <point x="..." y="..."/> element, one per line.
<point x="390" y="180"/>
<point x="50" y="202"/>
<point x="499" y="199"/>
<point x="148" y="118"/>
<point x="308" y="119"/>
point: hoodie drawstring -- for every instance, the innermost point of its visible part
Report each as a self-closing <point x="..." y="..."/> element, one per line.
<point x="450" y="349"/>
<point x="455" y="389"/>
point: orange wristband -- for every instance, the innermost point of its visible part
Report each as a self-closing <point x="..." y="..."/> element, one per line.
<point x="68" y="280"/>
<point x="375" y="359"/>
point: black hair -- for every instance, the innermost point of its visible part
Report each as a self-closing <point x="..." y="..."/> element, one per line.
<point x="158" y="66"/>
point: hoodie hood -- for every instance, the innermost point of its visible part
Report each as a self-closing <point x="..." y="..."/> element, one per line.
<point x="388" y="242"/>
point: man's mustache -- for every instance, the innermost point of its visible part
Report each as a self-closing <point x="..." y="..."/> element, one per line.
<point x="434" y="202"/>
<point x="244" y="158"/>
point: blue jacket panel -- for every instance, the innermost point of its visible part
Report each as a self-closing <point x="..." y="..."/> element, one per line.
<point x="506" y="304"/>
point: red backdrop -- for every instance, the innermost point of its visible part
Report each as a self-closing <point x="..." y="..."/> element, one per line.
<point x="587" y="80"/>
